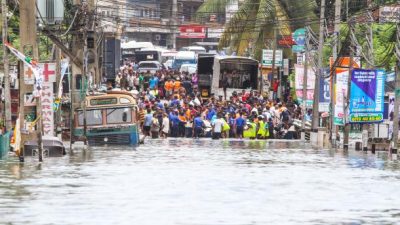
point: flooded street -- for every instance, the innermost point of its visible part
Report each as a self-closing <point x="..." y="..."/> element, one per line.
<point x="203" y="182"/>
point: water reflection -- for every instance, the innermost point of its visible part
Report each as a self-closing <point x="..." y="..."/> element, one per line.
<point x="185" y="181"/>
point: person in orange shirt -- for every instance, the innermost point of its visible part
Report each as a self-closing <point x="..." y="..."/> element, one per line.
<point x="182" y="123"/>
<point x="169" y="86"/>
<point x="177" y="85"/>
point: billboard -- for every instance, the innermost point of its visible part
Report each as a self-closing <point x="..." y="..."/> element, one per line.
<point x="339" y="90"/>
<point x="267" y="57"/>
<point x="299" y="74"/>
<point x="367" y="96"/>
<point x="192" y="31"/>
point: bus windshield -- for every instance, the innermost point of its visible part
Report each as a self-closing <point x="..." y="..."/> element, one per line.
<point x="93" y="117"/>
<point x="119" y="115"/>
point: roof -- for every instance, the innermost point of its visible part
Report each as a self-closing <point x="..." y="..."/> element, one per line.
<point x="134" y="44"/>
<point x="236" y="59"/>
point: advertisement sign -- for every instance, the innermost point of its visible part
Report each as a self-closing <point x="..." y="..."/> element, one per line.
<point x="267" y="56"/>
<point x="286" y="67"/>
<point x="47" y="70"/>
<point x="324" y="95"/>
<point x="286" y="41"/>
<point x="192" y="31"/>
<point x="299" y="36"/>
<point x="47" y="98"/>
<point x="342" y="76"/>
<point x="298" y="48"/>
<point x="340" y="87"/>
<point x="367" y="96"/>
<point x="214" y="32"/>
<point x="299" y="74"/>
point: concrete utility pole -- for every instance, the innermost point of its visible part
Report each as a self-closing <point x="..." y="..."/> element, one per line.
<point x="346" y="133"/>
<point x="57" y="54"/>
<point x="315" y="117"/>
<point x="174" y="21"/>
<point x="274" y="56"/>
<point x="27" y="29"/>
<point x="395" y="139"/>
<point x="336" y="43"/>
<point x="305" y="65"/>
<point x="7" y="94"/>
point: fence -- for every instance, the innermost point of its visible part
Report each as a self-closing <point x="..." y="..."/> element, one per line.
<point x="4" y="144"/>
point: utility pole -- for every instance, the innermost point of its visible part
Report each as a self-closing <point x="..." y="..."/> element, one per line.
<point x="274" y="56"/>
<point x="347" y="108"/>
<point x="7" y="95"/>
<point x="174" y="22"/>
<point x="28" y="46"/>
<point x="58" y="78"/>
<point x="305" y="65"/>
<point x="338" y="9"/>
<point x="84" y="73"/>
<point x="315" y="117"/>
<point x="395" y="136"/>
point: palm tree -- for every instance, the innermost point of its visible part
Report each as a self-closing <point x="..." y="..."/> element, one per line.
<point x="252" y="27"/>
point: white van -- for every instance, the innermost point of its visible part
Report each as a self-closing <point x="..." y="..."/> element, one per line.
<point x="196" y="49"/>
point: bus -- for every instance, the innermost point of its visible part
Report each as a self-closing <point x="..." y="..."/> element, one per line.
<point x="241" y="73"/>
<point x="110" y="119"/>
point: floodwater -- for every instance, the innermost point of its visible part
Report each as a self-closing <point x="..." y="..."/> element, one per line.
<point x="202" y="182"/>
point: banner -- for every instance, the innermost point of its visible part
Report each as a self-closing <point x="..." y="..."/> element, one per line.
<point x="31" y="64"/>
<point x="342" y="76"/>
<point x="299" y="74"/>
<point x="324" y="95"/>
<point x="367" y="96"/>
<point x="64" y="67"/>
<point x="47" y="98"/>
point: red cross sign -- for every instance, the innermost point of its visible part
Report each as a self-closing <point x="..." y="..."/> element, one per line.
<point x="47" y="73"/>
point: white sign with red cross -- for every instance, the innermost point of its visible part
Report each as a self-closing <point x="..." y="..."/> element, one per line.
<point x="47" y="70"/>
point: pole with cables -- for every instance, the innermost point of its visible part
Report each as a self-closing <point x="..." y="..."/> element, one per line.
<point x="315" y="115"/>
<point x="395" y="136"/>
<point x="306" y="56"/>
<point x="7" y="94"/>
<point x="338" y="9"/>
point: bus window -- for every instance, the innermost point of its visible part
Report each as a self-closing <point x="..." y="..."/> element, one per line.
<point x="120" y="115"/>
<point x="239" y="76"/>
<point x="93" y="117"/>
<point x="124" y="100"/>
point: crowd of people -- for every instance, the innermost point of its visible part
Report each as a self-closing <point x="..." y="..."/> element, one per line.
<point x="171" y="105"/>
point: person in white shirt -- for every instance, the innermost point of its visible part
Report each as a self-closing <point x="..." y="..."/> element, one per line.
<point x="165" y="126"/>
<point x="217" y="125"/>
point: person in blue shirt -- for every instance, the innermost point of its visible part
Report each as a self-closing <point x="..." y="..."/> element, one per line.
<point x="198" y="125"/>
<point x="153" y="82"/>
<point x="211" y="113"/>
<point x="175" y="101"/>
<point x="239" y="124"/>
<point x="148" y="118"/>
<point x="175" y="123"/>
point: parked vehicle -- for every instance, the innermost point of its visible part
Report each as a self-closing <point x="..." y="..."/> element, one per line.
<point x="184" y="57"/>
<point x="52" y="147"/>
<point x="149" y="66"/>
<point x="188" y="68"/>
<point x="195" y="49"/>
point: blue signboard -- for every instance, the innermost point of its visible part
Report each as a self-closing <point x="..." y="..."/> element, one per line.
<point x="367" y="96"/>
<point x="324" y="95"/>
